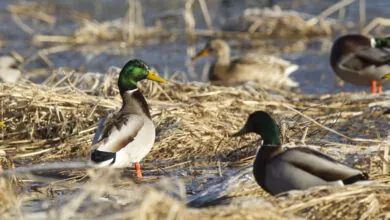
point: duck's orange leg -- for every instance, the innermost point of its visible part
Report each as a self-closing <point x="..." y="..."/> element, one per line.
<point x="138" y="170"/>
<point x="379" y="89"/>
<point x="373" y="86"/>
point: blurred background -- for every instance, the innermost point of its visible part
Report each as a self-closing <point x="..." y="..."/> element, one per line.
<point x="91" y="36"/>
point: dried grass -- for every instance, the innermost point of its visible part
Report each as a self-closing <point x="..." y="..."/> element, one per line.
<point x="55" y="122"/>
<point x="273" y="22"/>
<point x="125" y="31"/>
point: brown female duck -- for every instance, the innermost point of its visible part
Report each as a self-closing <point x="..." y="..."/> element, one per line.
<point x="268" y="70"/>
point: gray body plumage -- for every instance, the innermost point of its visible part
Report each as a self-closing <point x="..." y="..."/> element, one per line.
<point x="298" y="169"/>
<point x="355" y="61"/>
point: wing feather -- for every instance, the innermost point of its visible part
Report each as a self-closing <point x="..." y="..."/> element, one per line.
<point x="99" y="131"/>
<point x="375" y="55"/>
<point x="318" y="164"/>
<point x="119" y="130"/>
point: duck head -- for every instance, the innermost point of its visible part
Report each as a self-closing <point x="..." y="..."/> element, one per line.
<point x="261" y="123"/>
<point x="217" y="47"/>
<point x="133" y="72"/>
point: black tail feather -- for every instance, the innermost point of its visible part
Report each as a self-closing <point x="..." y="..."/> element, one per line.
<point x="353" y="179"/>
<point x="98" y="156"/>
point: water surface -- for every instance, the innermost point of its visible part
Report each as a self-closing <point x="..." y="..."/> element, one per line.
<point x="315" y="75"/>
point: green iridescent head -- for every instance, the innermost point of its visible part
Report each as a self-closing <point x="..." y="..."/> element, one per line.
<point x="264" y="125"/>
<point x="381" y="42"/>
<point x="133" y="72"/>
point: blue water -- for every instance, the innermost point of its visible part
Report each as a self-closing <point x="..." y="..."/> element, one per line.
<point x="315" y="74"/>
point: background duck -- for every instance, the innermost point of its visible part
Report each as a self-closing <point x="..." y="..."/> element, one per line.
<point x="127" y="136"/>
<point x="269" y="70"/>
<point x="278" y="171"/>
<point x="361" y="61"/>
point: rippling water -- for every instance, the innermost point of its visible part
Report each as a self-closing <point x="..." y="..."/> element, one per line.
<point x="315" y="75"/>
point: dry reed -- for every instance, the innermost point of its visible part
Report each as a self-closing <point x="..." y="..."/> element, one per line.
<point x="55" y="122"/>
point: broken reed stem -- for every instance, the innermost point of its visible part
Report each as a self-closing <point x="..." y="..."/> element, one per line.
<point x="22" y="25"/>
<point x="131" y="21"/>
<point x="330" y="10"/>
<point x="329" y="129"/>
<point x="206" y="14"/>
<point x="189" y="20"/>
<point x="139" y="15"/>
<point x="304" y="135"/>
<point x="374" y="23"/>
<point x="362" y="13"/>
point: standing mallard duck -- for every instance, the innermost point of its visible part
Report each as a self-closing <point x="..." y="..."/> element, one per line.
<point x="268" y="70"/>
<point x="361" y="61"/>
<point x="277" y="170"/>
<point x="128" y="135"/>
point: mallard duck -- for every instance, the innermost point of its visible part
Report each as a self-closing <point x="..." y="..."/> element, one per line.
<point x="277" y="170"/>
<point x="361" y="61"/>
<point x="127" y="136"/>
<point x="268" y="70"/>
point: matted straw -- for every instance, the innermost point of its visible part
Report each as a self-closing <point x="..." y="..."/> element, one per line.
<point x="54" y="123"/>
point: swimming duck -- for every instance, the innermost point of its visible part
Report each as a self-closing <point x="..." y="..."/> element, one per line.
<point x="277" y="170"/>
<point x="268" y="70"/>
<point x="361" y="60"/>
<point x="127" y="136"/>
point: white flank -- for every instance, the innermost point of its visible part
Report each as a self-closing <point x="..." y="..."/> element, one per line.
<point x="136" y="150"/>
<point x="336" y="183"/>
<point x="372" y="42"/>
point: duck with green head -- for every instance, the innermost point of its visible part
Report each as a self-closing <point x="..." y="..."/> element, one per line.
<point x="277" y="170"/>
<point x="361" y="60"/>
<point x="127" y="136"/>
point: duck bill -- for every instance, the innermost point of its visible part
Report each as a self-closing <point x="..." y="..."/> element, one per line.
<point x="240" y="132"/>
<point x="387" y="76"/>
<point x="154" y="77"/>
<point x="202" y="53"/>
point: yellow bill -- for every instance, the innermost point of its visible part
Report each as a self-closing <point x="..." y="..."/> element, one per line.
<point x="387" y="76"/>
<point x="2" y="124"/>
<point x="202" y="53"/>
<point x="154" y="77"/>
